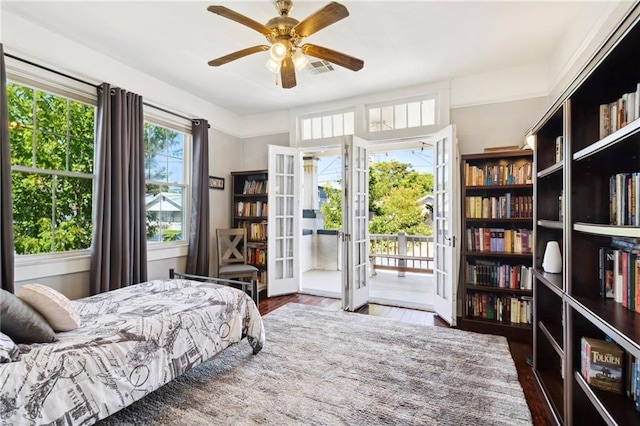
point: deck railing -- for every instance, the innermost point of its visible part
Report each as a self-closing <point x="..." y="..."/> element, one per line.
<point x="401" y="252"/>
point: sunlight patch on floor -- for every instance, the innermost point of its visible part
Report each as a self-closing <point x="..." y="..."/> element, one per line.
<point x="386" y="287"/>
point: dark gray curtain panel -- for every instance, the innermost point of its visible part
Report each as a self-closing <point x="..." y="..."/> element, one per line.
<point x="6" y="205"/>
<point x="119" y="245"/>
<point x="198" y="253"/>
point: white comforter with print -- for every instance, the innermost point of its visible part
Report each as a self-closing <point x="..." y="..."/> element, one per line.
<point x="131" y="342"/>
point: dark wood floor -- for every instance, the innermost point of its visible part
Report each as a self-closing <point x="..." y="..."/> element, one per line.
<point x="520" y="351"/>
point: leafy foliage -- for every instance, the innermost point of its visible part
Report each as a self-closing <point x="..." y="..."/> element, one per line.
<point x="332" y="209"/>
<point x="52" y="136"/>
<point x="394" y="191"/>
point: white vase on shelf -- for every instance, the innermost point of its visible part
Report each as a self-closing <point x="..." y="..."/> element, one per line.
<point x="552" y="260"/>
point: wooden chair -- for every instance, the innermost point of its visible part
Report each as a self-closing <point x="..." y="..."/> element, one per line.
<point x="232" y="258"/>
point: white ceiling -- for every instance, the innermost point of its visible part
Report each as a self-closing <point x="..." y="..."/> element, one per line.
<point x="402" y="43"/>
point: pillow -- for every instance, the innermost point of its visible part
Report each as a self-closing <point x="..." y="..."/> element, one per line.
<point x="8" y="349"/>
<point x="52" y="305"/>
<point x="21" y="322"/>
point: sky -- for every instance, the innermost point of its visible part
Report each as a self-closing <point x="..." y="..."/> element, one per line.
<point x="329" y="168"/>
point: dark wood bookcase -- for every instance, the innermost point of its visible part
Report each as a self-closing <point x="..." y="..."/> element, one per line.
<point x="249" y="206"/>
<point x="497" y="215"/>
<point x="572" y="206"/>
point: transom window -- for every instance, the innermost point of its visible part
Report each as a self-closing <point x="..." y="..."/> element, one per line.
<point x="52" y="145"/>
<point x="401" y="115"/>
<point x="165" y="178"/>
<point x="327" y="126"/>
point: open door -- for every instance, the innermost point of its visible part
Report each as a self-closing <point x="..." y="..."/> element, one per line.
<point x="283" y="249"/>
<point x="446" y="223"/>
<point x="355" y="223"/>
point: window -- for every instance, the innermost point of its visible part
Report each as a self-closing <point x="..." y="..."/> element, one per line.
<point x="327" y="126"/>
<point x="52" y="143"/>
<point x="166" y="183"/>
<point x="402" y="115"/>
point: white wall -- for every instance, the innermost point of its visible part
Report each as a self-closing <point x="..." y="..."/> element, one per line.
<point x="255" y="150"/>
<point x="499" y="124"/>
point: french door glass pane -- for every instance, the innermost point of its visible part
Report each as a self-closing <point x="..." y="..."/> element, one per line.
<point x="337" y="125"/>
<point x="400" y="116"/>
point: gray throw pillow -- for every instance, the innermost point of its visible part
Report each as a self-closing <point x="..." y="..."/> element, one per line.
<point x="21" y="322"/>
<point x="8" y="349"/>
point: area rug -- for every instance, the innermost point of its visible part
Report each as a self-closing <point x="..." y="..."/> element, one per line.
<point x="327" y="367"/>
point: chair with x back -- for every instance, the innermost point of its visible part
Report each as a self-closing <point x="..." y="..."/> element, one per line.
<point x="232" y="257"/>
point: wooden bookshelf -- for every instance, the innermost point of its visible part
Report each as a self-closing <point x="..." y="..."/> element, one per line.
<point x="249" y="204"/>
<point x="573" y="206"/>
<point x="497" y="214"/>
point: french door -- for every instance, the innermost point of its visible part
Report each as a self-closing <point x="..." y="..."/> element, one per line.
<point x="355" y="223"/>
<point x="283" y="248"/>
<point x="446" y="223"/>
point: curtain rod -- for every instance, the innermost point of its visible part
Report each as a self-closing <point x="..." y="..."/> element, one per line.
<point x="79" y="80"/>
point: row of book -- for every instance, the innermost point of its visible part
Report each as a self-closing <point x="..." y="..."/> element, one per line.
<point x="499" y="240"/>
<point x="252" y="187"/>
<point x="620" y="274"/>
<point x="506" y="206"/>
<point x="500" y="174"/>
<point x="257" y="256"/>
<point x="624" y="197"/>
<point x="495" y="274"/>
<point x="617" y="114"/>
<point x="606" y="366"/>
<point x="255" y="231"/>
<point x="252" y="209"/>
<point x="501" y="308"/>
<point x="262" y="277"/>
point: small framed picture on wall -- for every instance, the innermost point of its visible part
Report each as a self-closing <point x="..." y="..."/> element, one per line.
<point x="216" y="182"/>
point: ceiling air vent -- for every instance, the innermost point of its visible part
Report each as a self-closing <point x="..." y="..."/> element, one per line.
<point x="320" y="67"/>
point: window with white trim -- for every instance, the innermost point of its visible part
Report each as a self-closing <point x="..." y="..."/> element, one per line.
<point x="52" y="145"/>
<point x="166" y="182"/>
<point x="404" y="115"/>
<point x="327" y="125"/>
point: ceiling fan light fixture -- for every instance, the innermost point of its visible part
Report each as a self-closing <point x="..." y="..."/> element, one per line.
<point x="273" y="66"/>
<point x="278" y="51"/>
<point x="299" y="60"/>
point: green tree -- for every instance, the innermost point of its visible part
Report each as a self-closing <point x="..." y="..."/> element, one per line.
<point x="386" y="175"/>
<point x="332" y="209"/>
<point x="399" y="211"/>
<point x="394" y="191"/>
<point x="52" y="211"/>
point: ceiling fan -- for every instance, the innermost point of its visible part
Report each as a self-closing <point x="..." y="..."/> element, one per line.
<point x="285" y="34"/>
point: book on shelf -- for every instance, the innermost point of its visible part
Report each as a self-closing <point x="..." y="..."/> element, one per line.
<point x="500" y="308"/>
<point x="507" y="206"/>
<point x="251" y="209"/>
<point x="256" y="231"/>
<point x="495" y="274"/>
<point x="255" y="187"/>
<point x="626" y="279"/>
<point x="559" y="148"/>
<point x="606" y="275"/>
<point x="516" y="241"/>
<point x="617" y="114"/>
<point x="499" y="174"/>
<point x="601" y="364"/>
<point x="624" y="197"/>
<point x="629" y="244"/>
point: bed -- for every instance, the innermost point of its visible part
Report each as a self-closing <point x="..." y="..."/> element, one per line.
<point x="130" y="342"/>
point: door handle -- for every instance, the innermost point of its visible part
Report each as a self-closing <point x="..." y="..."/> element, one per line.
<point x="452" y="240"/>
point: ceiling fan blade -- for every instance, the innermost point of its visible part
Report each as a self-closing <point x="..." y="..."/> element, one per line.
<point x="288" y="73"/>
<point x="349" y="62"/>
<point x="235" y="16"/>
<point x="330" y="14"/>
<point x="237" y="55"/>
